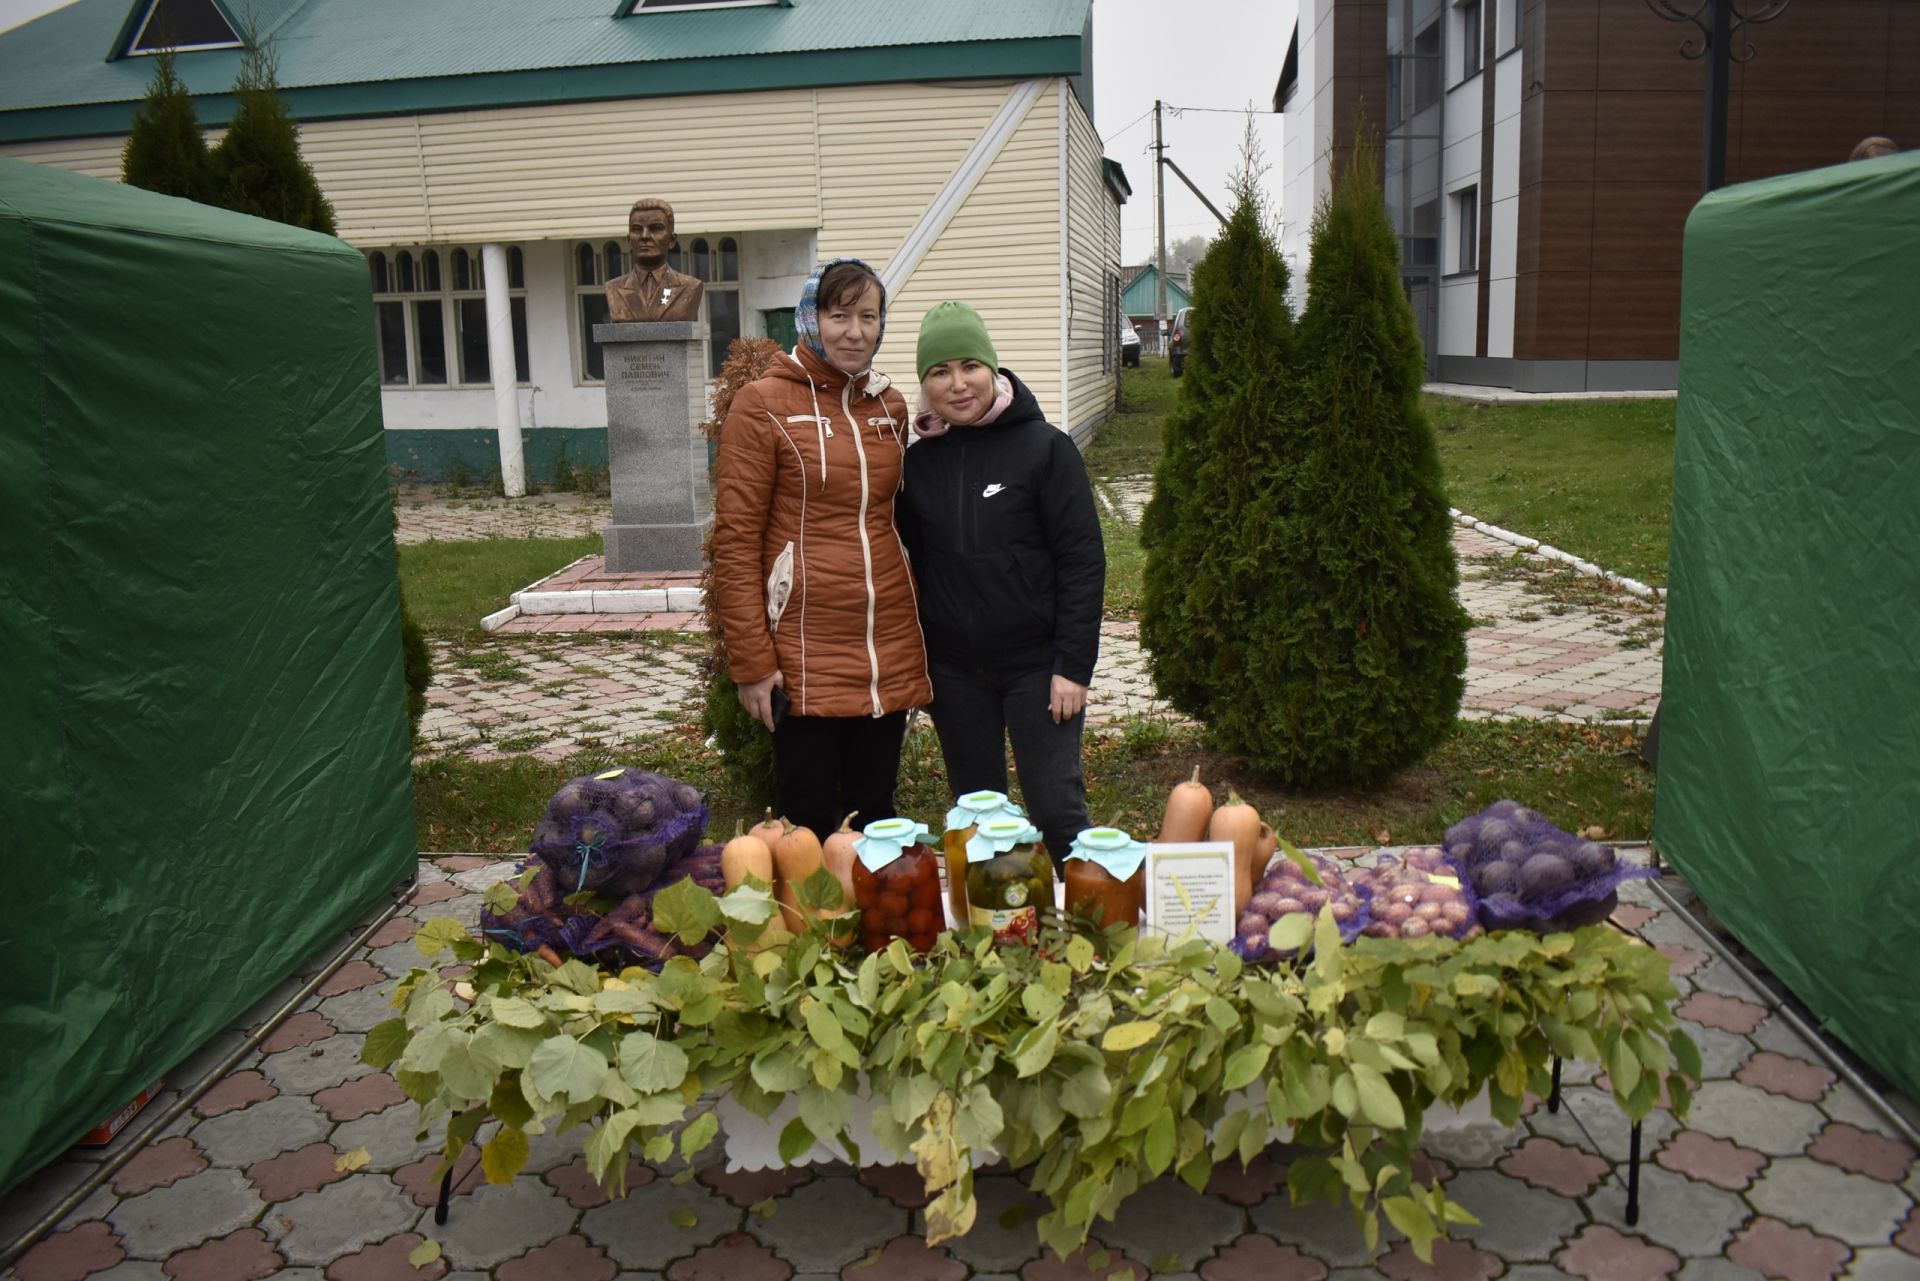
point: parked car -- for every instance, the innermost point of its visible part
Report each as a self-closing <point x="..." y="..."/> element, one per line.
<point x="1177" y="341"/>
<point x="1129" y="344"/>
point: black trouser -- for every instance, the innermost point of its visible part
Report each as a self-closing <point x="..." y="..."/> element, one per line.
<point x="976" y="714"/>
<point x="825" y="767"/>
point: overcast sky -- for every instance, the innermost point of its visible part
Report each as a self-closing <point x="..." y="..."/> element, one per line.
<point x="1210" y="58"/>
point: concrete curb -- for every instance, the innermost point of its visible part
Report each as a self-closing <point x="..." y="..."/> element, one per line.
<point x="1546" y="551"/>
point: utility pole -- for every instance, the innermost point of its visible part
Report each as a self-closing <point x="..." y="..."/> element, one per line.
<point x="1159" y="229"/>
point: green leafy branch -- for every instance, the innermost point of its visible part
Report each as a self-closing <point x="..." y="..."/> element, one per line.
<point x="1099" y="1062"/>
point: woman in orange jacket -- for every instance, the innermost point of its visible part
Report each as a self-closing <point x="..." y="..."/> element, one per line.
<point x="811" y="583"/>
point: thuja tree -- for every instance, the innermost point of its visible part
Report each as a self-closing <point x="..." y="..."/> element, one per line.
<point x="1227" y="456"/>
<point x="746" y="748"/>
<point x="166" y="151"/>
<point x="1356" y="668"/>
<point x="258" y="168"/>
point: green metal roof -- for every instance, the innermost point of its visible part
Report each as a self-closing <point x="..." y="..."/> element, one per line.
<point x="1138" y="297"/>
<point x="340" y="58"/>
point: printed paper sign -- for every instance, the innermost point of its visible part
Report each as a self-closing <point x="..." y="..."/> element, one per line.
<point x="1190" y="888"/>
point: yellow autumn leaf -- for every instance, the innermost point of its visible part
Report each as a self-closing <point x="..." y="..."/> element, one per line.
<point x="357" y="1159"/>
<point x="1122" y="1037"/>
<point x="424" y="1253"/>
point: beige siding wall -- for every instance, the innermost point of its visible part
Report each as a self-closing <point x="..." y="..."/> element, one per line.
<point x="95" y="157"/>
<point x="1001" y="253"/>
<point x="860" y="165"/>
<point x="1093" y="239"/>
<point x="885" y="153"/>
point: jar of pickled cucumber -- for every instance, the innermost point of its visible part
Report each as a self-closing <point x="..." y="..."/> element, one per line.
<point x="1009" y="879"/>
<point x="896" y="884"/>
<point x="1106" y="877"/>
<point x="962" y="820"/>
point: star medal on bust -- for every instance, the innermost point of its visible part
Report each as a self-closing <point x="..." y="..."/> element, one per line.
<point x="666" y="296"/>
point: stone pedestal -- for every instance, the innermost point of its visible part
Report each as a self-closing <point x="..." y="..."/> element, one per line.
<point x="656" y="456"/>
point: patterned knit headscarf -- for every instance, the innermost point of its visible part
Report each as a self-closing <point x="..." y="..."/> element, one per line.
<point x="806" y="315"/>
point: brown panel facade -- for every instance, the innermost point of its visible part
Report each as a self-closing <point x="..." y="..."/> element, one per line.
<point x="1611" y="141"/>
<point x="1359" y="72"/>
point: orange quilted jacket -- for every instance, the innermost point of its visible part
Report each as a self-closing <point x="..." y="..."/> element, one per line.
<point x="808" y="574"/>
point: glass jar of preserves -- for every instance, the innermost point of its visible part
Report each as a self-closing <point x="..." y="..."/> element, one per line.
<point x="962" y="820"/>
<point x="1107" y="877"/>
<point x="1009" y="879"/>
<point x="896" y="885"/>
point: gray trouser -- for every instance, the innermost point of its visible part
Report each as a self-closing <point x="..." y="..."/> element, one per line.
<point x="976" y="714"/>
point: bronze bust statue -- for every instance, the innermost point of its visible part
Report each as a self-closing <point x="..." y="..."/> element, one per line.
<point x="652" y="290"/>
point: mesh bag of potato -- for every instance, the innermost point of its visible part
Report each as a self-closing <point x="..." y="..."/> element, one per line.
<point x="1523" y="873"/>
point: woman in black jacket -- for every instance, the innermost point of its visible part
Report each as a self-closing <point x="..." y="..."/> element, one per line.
<point x="998" y="516"/>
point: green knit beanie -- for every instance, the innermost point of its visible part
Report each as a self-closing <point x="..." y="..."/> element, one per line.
<point x="954" y="331"/>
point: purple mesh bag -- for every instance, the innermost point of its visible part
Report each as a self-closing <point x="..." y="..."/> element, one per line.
<point x="1523" y="873"/>
<point x="615" y="833"/>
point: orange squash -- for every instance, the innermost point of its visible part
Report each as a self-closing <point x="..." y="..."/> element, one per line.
<point x="743" y="856"/>
<point x="796" y="856"/>
<point x="1189" y="806"/>
<point x="838" y="855"/>
<point x="769" y="829"/>
<point x="1240" y="823"/>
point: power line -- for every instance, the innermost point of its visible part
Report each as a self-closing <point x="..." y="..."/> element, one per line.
<point x="1123" y="128"/>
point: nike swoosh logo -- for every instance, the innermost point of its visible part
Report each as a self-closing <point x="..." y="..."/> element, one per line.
<point x="991" y="490"/>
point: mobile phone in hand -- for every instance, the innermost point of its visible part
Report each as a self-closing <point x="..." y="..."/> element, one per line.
<point x="781" y="704"/>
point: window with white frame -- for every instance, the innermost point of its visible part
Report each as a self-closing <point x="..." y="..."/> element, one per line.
<point x="1468" y="37"/>
<point x="1466" y="218"/>
<point x="183" y="25"/>
<point x="714" y="260"/>
<point x="430" y="315"/>
<point x="1506" y="25"/>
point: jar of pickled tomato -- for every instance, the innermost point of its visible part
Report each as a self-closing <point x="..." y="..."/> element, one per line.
<point x="1009" y="879"/>
<point x="896" y="885"/>
<point x="1106" y="877"/>
<point x="962" y="820"/>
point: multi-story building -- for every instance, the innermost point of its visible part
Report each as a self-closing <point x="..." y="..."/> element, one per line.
<point x="1540" y="158"/>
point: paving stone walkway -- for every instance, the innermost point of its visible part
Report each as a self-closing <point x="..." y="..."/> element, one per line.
<point x="1786" y="1172"/>
<point x="1545" y="645"/>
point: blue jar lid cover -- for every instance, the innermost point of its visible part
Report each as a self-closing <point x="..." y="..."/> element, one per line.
<point x="883" y="841"/>
<point x="995" y="836"/>
<point x="970" y="809"/>
<point x="1110" y="848"/>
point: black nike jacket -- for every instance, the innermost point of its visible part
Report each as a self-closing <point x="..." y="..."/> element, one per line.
<point x="1000" y="523"/>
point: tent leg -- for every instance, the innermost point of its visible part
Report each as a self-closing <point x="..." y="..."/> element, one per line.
<point x="446" y="1194"/>
<point x="1633" y="1175"/>
<point x="1553" y="1098"/>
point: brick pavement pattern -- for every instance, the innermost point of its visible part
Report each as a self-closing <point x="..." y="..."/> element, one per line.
<point x="1543" y="646"/>
<point x="1767" y="1183"/>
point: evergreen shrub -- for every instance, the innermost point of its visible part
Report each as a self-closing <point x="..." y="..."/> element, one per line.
<point x="1299" y="595"/>
<point x="258" y="168"/>
<point x="166" y="151"/>
<point x="1224" y="463"/>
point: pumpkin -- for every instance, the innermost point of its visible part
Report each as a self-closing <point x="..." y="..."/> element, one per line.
<point x="1189" y="806"/>
<point x="796" y="856"/>
<point x="1239" y="822"/>
<point x="769" y="829"/>
<point x="743" y="856"/>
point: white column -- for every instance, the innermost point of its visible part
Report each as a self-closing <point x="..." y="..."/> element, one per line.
<point x="506" y="392"/>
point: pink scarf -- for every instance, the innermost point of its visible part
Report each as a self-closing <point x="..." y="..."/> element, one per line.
<point x="927" y="423"/>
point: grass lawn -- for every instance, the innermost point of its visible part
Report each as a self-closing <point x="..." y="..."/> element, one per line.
<point x="1594" y="478"/>
<point x="450" y="587"/>
<point x="1578" y="775"/>
<point x="1128" y="443"/>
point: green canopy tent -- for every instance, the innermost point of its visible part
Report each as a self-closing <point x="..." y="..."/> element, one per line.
<point x="1789" y="789"/>
<point x="206" y="747"/>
